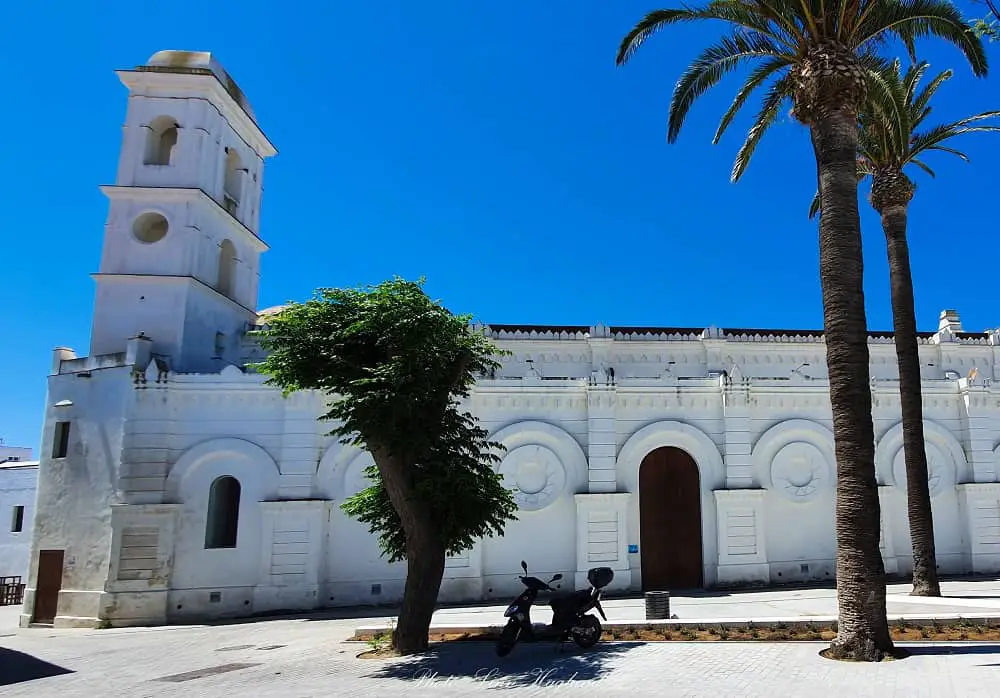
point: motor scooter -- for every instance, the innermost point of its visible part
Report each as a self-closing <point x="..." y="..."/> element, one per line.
<point x="570" y="617"/>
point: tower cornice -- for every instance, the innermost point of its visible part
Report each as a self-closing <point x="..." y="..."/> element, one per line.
<point x="197" y="82"/>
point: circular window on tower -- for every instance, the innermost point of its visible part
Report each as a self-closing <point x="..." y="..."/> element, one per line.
<point x="150" y="227"/>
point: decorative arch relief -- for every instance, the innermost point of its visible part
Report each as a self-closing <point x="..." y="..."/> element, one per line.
<point x="695" y="442"/>
<point x="541" y="463"/>
<point x="795" y="458"/>
<point x="535" y="474"/>
<point x="940" y="473"/>
<point x="341" y="471"/>
<point x="353" y="475"/>
<point x="245" y="460"/>
<point x="946" y="463"/>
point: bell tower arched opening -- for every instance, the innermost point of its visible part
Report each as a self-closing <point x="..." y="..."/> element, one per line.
<point x="161" y="142"/>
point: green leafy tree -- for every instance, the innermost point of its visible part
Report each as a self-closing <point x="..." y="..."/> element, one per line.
<point x="988" y="27"/>
<point x="892" y="138"/>
<point x="396" y="365"/>
<point x="818" y="54"/>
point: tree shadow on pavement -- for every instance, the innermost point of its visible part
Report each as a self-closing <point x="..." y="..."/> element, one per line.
<point x="985" y="648"/>
<point x="536" y="664"/>
<point x="18" y="667"/>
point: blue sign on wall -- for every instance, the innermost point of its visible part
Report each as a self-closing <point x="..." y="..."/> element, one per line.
<point x="633" y="548"/>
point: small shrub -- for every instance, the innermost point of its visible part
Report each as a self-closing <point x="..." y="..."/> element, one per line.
<point x="378" y="642"/>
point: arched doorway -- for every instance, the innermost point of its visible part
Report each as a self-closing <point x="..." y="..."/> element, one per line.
<point x="670" y="520"/>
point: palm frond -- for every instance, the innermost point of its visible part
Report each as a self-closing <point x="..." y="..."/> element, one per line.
<point x="915" y="19"/>
<point x="735" y="12"/>
<point x="814" y="207"/>
<point x="710" y="67"/>
<point x="913" y="75"/>
<point x="933" y="139"/>
<point x="923" y="98"/>
<point x="922" y="166"/>
<point x="779" y="91"/>
<point x="757" y="77"/>
<point x="885" y="120"/>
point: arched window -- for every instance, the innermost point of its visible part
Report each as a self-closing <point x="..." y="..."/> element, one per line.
<point x="161" y="141"/>
<point x="223" y="513"/>
<point x="231" y="185"/>
<point x="227" y="268"/>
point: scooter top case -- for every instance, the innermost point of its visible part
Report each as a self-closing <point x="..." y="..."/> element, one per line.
<point x="600" y="577"/>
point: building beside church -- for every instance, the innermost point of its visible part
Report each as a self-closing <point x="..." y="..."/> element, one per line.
<point x="175" y="485"/>
<point x="18" y="479"/>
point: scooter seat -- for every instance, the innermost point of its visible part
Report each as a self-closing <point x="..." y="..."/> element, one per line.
<point x="575" y="598"/>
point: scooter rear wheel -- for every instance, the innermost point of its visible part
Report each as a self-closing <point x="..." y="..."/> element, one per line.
<point x="587" y="632"/>
<point x="508" y="638"/>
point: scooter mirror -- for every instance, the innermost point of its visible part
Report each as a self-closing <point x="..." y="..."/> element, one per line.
<point x="557" y="578"/>
<point x="524" y="566"/>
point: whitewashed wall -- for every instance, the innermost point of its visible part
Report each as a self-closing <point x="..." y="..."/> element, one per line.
<point x="149" y="446"/>
<point x="18" y="483"/>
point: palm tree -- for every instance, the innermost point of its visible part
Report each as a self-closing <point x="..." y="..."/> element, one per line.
<point x="888" y="142"/>
<point x="818" y="54"/>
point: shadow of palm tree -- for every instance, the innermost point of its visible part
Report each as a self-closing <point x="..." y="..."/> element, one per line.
<point x="18" y="667"/>
<point x="931" y="650"/>
<point x="537" y="664"/>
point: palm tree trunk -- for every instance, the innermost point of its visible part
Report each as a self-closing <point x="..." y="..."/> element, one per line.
<point x="918" y="498"/>
<point x="863" y="629"/>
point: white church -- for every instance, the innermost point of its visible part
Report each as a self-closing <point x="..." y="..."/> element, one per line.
<point x="174" y="485"/>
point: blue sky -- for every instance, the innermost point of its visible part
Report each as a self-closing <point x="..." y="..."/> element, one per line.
<point x="492" y="147"/>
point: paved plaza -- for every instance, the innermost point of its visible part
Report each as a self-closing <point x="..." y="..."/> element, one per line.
<point x="309" y="656"/>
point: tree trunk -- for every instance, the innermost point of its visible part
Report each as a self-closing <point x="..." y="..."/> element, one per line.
<point x="918" y="497"/>
<point x="863" y="629"/>
<point x="425" y="556"/>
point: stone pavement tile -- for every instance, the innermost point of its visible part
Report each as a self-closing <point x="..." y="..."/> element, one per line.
<point x="300" y="658"/>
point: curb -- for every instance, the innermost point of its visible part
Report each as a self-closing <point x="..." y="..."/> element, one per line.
<point x="786" y="623"/>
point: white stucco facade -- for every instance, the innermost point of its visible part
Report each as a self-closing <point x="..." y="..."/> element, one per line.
<point x="175" y="485"/>
<point x="18" y="481"/>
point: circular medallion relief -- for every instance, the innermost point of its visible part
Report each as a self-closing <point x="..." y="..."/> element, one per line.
<point x="799" y="470"/>
<point x="939" y="475"/>
<point x="535" y="474"/>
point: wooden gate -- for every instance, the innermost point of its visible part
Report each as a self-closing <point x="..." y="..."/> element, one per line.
<point x="670" y="521"/>
<point x="50" y="572"/>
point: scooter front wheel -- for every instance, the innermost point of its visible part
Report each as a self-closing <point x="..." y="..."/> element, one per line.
<point x="508" y="638"/>
<point x="587" y="632"/>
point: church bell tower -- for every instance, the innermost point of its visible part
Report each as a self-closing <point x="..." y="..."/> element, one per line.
<point x="181" y="256"/>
